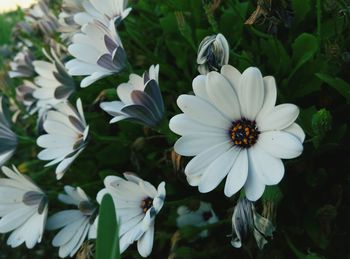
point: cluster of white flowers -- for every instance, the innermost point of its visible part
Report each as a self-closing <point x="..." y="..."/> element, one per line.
<point x="231" y="126"/>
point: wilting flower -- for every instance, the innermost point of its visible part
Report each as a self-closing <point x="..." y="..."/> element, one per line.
<point x="23" y="209"/>
<point x="234" y="129"/>
<point x="141" y="100"/>
<point x="66" y="136"/>
<point x="40" y="16"/>
<point x="22" y="66"/>
<point x="54" y="85"/>
<point x="246" y="221"/>
<point x="213" y="53"/>
<point x="137" y="203"/>
<point x="98" y="53"/>
<point x="109" y="10"/>
<point x="203" y="216"/>
<point x="8" y="139"/>
<point x="76" y="224"/>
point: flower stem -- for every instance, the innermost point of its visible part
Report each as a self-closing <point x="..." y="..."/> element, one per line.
<point x="25" y="139"/>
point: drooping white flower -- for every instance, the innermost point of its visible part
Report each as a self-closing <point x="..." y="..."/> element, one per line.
<point x="98" y="53"/>
<point x="109" y="10"/>
<point x="233" y="128"/>
<point x="22" y="66"/>
<point x="213" y="53"/>
<point x="141" y="100"/>
<point x="137" y="203"/>
<point x="66" y="136"/>
<point x="54" y="85"/>
<point x="76" y="224"/>
<point x="246" y="221"/>
<point x="8" y="139"/>
<point x="203" y="216"/>
<point x="23" y="209"/>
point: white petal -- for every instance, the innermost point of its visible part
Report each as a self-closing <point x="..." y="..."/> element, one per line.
<point x="145" y="243"/>
<point x="63" y="166"/>
<point x="93" y="78"/>
<point x="199" y="88"/>
<point x="280" y="144"/>
<point x="270" y="96"/>
<point x="281" y="117"/>
<point x="251" y="93"/>
<point x="222" y="95"/>
<point x="217" y="171"/>
<point x="55" y="141"/>
<point x="232" y="75"/>
<point x="237" y="175"/>
<point x="63" y="218"/>
<point x="297" y="131"/>
<point x="254" y="187"/>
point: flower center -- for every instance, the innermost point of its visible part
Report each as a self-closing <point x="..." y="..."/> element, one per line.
<point x="146" y="204"/>
<point x="244" y="133"/>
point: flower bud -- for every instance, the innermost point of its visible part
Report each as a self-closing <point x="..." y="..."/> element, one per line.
<point x="213" y="53"/>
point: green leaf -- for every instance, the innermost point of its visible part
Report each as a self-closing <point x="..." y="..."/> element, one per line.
<point x="107" y="243"/>
<point x="337" y="83"/>
<point x="301" y="8"/>
<point x="304" y="49"/>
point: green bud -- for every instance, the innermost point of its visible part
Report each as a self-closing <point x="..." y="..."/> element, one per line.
<point x="321" y="122"/>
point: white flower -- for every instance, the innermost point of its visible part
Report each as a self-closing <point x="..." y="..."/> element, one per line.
<point x="109" y="10"/>
<point x="66" y="136"/>
<point x="234" y="129"/>
<point x="75" y="224"/>
<point x="98" y="53"/>
<point x="141" y="100"/>
<point x="246" y="221"/>
<point x="22" y="66"/>
<point x="8" y="139"/>
<point x="54" y="85"/>
<point x="137" y="203"/>
<point x="23" y="209"/>
<point x="213" y="53"/>
<point x="203" y="216"/>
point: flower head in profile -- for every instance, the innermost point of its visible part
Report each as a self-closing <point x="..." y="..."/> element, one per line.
<point x="54" y="85"/>
<point x="246" y="221"/>
<point x="109" y="10"/>
<point x="22" y="64"/>
<point x="233" y="128"/>
<point x="141" y="100"/>
<point x="203" y="216"/>
<point x="98" y="53"/>
<point x="213" y="53"/>
<point x="137" y="203"/>
<point x="8" y="139"/>
<point x="66" y="136"/>
<point x="23" y="209"/>
<point x="76" y="224"/>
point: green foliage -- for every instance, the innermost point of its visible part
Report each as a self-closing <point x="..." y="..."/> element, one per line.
<point x="107" y="242"/>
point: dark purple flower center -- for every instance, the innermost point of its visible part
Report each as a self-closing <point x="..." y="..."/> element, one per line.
<point x="244" y="133"/>
<point x="146" y="204"/>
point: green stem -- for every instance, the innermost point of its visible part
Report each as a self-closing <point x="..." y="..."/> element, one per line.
<point x="25" y="139"/>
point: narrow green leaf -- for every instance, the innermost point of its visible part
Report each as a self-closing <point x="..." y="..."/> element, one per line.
<point x="107" y="243"/>
<point x="337" y="83"/>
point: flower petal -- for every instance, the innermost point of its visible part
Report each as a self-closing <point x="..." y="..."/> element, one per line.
<point x="297" y="131"/>
<point x="145" y="243"/>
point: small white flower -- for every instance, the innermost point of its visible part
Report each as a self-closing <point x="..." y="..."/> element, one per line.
<point x="137" y="203"/>
<point x="23" y="209"/>
<point x="213" y="53"/>
<point x="203" y="216"/>
<point x="246" y="221"/>
<point x="98" y="53"/>
<point x="141" y="100"/>
<point x="8" y="139"/>
<point x="233" y="128"/>
<point x="22" y="66"/>
<point x="66" y="136"/>
<point x="109" y="10"/>
<point x="54" y="85"/>
<point x="76" y="224"/>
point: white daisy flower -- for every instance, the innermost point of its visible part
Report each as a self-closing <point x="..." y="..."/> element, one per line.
<point x="141" y="100"/>
<point x="246" y="221"/>
<point x="109" y="10"/>
<point x="137" y="203"/>
<point x="213" y="53"/>
<point x="66" y="136"/>
<point x="23" y="209"/>
<point x="98" y="53"/>
<point x="22" y="66"/>
<point x="8" y="139"/>
<point x="234" y="129"/>
<point x="54" y="85"/>
<point x="203" y="216"/>
<point x="76" y="224"/>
